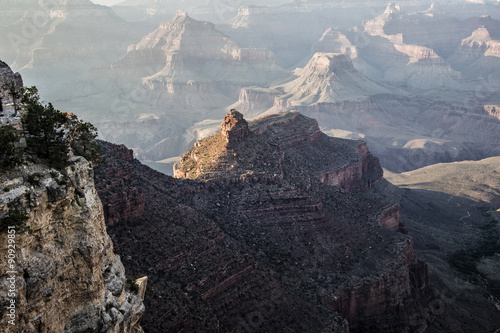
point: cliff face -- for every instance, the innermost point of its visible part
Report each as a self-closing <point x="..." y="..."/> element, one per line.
<point x="8" y="77"/>
<point x="120" y="202"/>
<point x="255" y="240"/>
<point x="65" y="275"/>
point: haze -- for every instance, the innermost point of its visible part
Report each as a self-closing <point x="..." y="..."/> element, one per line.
<point x="291" y="119"/>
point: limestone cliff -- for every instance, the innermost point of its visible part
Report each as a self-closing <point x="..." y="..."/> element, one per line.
<point x="66" y="276"/>
<point x="61" y="274"/>
<point x="120" y="203"/>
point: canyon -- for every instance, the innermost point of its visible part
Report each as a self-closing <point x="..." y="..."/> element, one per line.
<point x="417" y="74"/>
<point x="293" y="249"/>
<point x="317" y="177"/>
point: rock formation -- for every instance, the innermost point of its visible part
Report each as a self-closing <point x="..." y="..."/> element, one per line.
<point x="234" y="128"/>
<point x="334" y="41"/>
<point x="327" y="78"/>
<point x="62" y="274"/>
<point x="66" y="276"/>
<point x="120" y="204"/>
<point x="477" y="54"/>
<point x="8" y="81"/>
<point x="173" y="75"/>
<point x="256" y="239"/>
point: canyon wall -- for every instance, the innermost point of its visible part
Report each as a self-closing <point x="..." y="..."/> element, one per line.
<point x="120" y="202"/>
<point x="65" y="274"/>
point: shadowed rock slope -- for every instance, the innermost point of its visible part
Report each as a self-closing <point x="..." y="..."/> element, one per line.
<point x="448" y="209"/>
<point x="260" y="240"/>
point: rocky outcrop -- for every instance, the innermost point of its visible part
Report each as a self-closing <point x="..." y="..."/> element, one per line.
<point x="9" y="82"/>
<point x="256" y="216"/>
<point x="254" y="101"/>
<point x="349" y="164"/>
<point x="234" y="128"/>
<point x="390" y="218"/>
<point x="493" y="110"/>
<point x="62" y="274"/>
<point x="477" y="54"/>
<point x="334" y="41"/>
<point x="355" y="175"/>
<point x="479" y="44"/>
<point x="65" y="275"/>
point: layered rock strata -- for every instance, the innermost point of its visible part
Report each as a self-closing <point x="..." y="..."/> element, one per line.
<point x="120" y="202"/>
<point x="256" y="236"/>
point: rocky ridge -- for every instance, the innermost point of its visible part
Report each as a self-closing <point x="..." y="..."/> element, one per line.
<point x="257" y="207"/>
<point x="8" y="78"/>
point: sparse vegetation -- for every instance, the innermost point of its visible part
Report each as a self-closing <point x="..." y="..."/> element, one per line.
<point x="34" y="179"/>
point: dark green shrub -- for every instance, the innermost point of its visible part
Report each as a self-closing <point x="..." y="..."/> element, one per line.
<point x="52" y="133"/>
<point x="34" y="179"/>
<point x="10" y="154"/>
<point x="46" y="137"/>
<point x="83" y="141"/>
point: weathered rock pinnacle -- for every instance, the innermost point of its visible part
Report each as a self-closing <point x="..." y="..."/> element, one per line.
<point x="234" y="128"/>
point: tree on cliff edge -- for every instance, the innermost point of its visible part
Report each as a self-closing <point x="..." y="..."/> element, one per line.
<point x="51" y="133"/>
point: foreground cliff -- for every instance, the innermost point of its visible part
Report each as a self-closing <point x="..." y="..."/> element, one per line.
<point x="259" y="241"/>
<point x="64" y="276"/>
<point x="59" y="272"/>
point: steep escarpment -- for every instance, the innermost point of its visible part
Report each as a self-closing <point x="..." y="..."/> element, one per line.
<point x="255" y="235"/>
<point x="65" y="274"/>
<point x="201" y="279"/>
<point x="61" y="274"/>
<point x="120" y="202"/>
